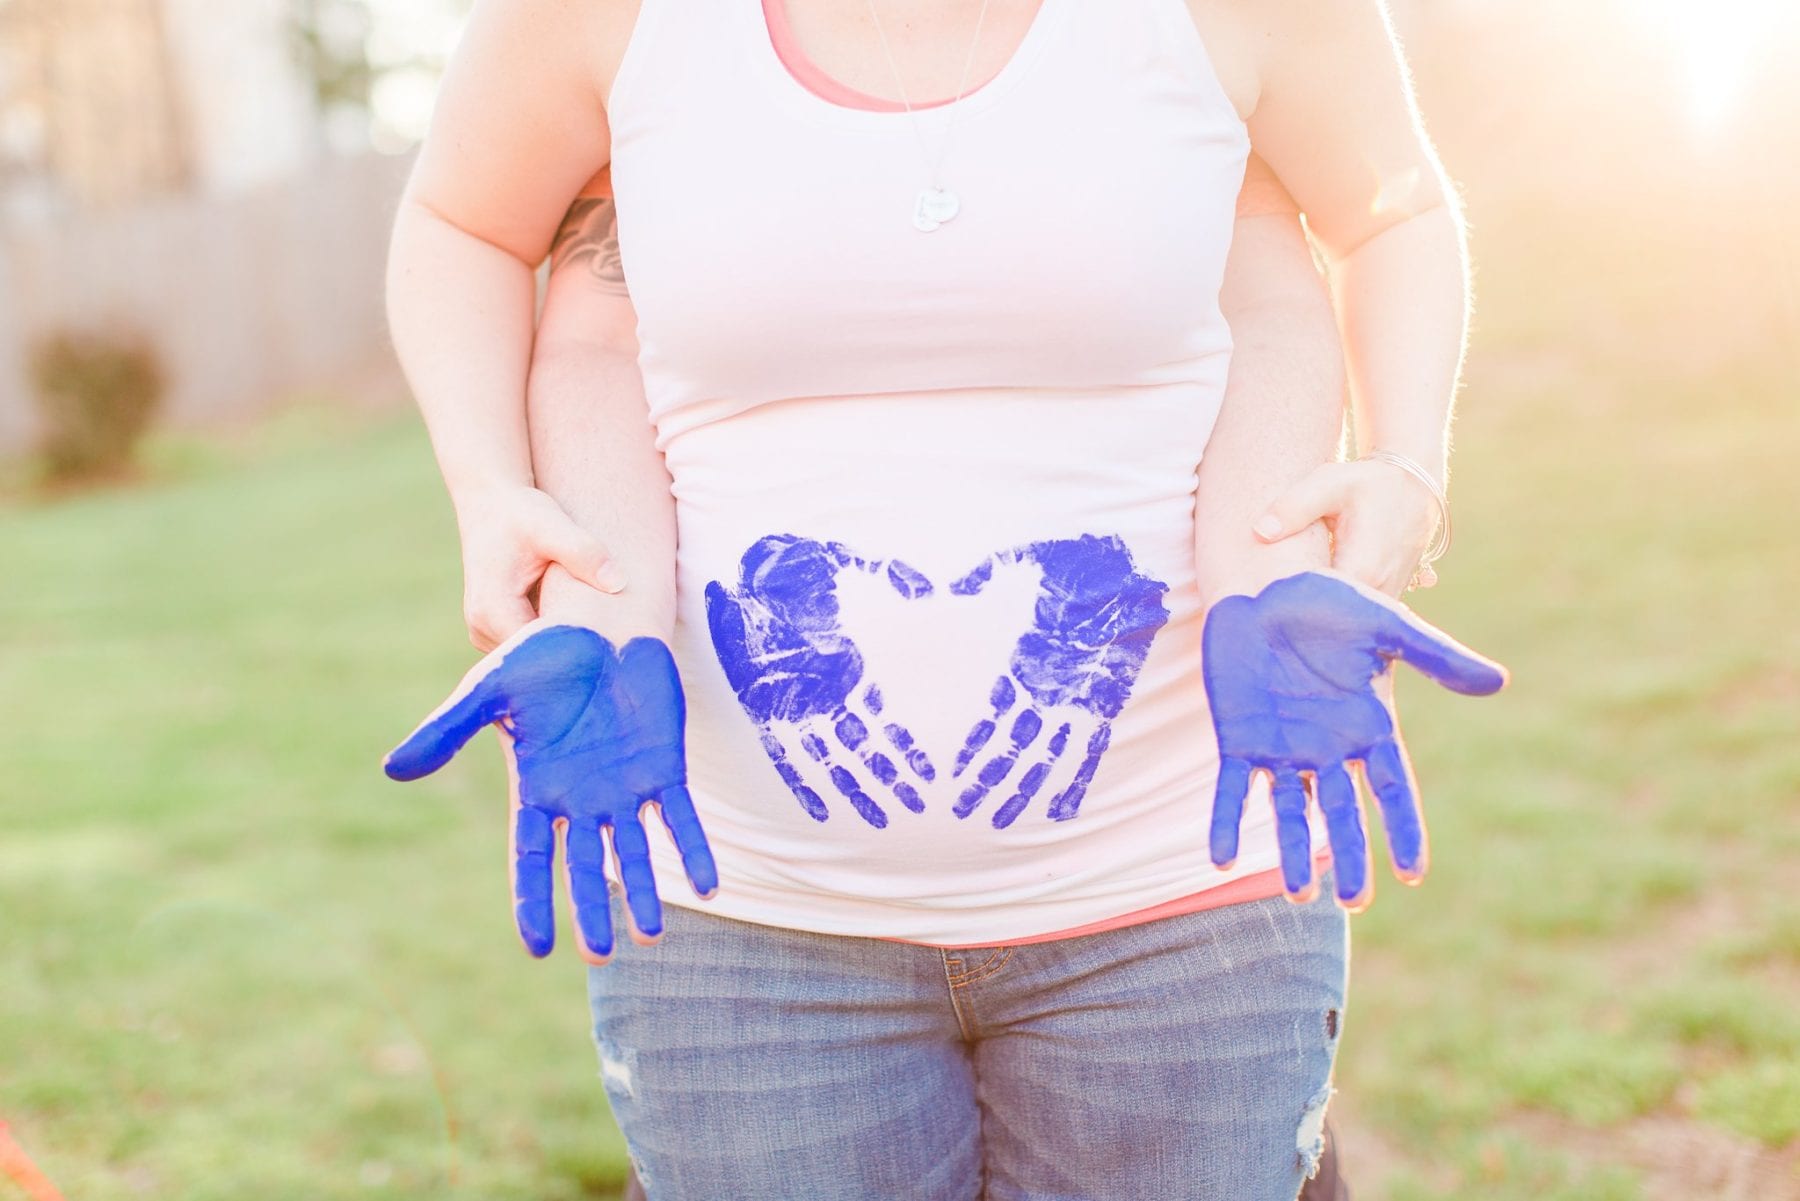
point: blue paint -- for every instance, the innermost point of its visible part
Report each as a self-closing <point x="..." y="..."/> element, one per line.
<point x="884" y="769"/>
<point x="975" y="581"/>
<point x="861" y="801"/>
<point x="1029" y="783"/>
<point x="1025" y="729"/>
<point x="780" y="639"/>
<point x="851" y="731"/>
<point x="1094" y="620"/>
<point x="1066" y="802"/>
<point x="915" y="758"/>
<point x="1290" y="674"/>
<point x="907" y="582"/>
<point x="595" y="735"/>
<point x="972" y="746"/>
<point x="809" y="800"/>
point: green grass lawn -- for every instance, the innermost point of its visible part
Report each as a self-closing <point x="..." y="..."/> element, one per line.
<point x="236" y="962"/>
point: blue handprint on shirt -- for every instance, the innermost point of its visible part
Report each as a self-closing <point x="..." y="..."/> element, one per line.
<point x="1095" y="618"/>
<point x="594" y="735"/>
<point x="785" y="653"/>
<point x="780" y="638"/>
<point x="1290" y="674"/>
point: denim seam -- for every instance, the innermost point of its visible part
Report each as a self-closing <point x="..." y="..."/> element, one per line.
<point x="994" y="963"/>
<point x="997" y="959"/>
<point x="950" y="990"/>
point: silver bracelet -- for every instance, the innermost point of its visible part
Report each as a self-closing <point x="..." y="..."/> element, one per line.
<point x="1440" y="542"/>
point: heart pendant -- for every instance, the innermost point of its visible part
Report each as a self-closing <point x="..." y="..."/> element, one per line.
<point x="935" y="206"/>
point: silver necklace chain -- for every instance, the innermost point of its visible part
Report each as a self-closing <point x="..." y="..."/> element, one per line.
<point x="936" y="204"/>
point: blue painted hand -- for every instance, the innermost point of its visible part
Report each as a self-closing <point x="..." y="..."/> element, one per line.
<point x="1070" y="673"/>
<point x="780" y="640"/>
<point x="592" y="735"/>
<point x="1299" y="678"/>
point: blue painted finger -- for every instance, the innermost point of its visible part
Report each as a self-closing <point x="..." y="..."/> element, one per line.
<point x="683" y="822"/>
<point x="1068" y="802"/>
<point x="916" y="758"/>
<point x="1228" y="809"/>
<point x="478" y="703"/>
<point x="534" y="851"/>
<point x="809" y="800"/>
<point x="1292" y="832"/>
<point x="1391" y="780"/>
<point x="974" y="581"/>
<point x="633" y="852"/>
<point x="850" y="729"/>
<point x="1344" y="823"/>
<point x="907" y="582"/>
<point x="883" y="769"/>
<point x="853" y="733"/>
<point x="585" y="861"/>
<point x="978" y="738"/>
<point x="1029" y="786"/>
<point x="1405" y="635"/>
<point x="1025" y="729"/>
<point x="1001" y="698"/>
<point x="1034" y="778"/>
<point x="860" y="800"/>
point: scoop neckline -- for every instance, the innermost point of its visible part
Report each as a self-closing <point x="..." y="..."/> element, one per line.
<point x="796" y="95"/>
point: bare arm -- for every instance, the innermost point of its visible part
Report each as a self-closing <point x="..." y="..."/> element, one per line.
<point x="1283" y="409"/>
<point x="1336" y="120"/>
<point x="591" y="440"/>
<point x="519" y="127"/>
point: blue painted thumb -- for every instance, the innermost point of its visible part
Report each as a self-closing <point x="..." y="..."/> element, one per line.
<point x="478" y="702"/>
<point x="1440" y="656"/>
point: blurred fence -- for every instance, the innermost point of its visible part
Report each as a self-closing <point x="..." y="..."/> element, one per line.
<point x="247" y="296"/>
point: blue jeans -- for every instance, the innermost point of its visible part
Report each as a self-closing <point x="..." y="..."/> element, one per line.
<point x="1186" y="1058"/>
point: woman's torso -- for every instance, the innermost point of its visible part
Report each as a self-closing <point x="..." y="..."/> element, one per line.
<point x="938" y="621"/>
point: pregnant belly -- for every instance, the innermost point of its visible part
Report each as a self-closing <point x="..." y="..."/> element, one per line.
<point x="912" y="633"/>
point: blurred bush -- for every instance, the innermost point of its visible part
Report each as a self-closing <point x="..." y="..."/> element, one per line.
<point x="97" y="394"/>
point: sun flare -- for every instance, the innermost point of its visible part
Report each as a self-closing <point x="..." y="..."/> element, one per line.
<point x="1717" y="43"/>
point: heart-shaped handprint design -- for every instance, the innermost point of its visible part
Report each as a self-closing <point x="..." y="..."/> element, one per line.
<point x="800" y="677"/>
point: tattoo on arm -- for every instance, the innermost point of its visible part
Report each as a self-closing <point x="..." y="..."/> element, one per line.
<point x="589" y="236"/>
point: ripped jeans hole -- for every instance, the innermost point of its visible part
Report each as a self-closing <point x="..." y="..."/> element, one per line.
<point x="615" y="1071"/>
<point x="1309" y="1139"/>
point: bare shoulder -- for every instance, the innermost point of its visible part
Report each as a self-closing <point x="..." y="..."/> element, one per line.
<point x="611" y="23"/>
<point x="1250" y="39"/>
<point x="577" y="39"/>
<point x="520" y="125"/>
<point x="1229" y="32"/>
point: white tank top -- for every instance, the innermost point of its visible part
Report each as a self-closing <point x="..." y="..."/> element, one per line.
<point x="937" y="614"/>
